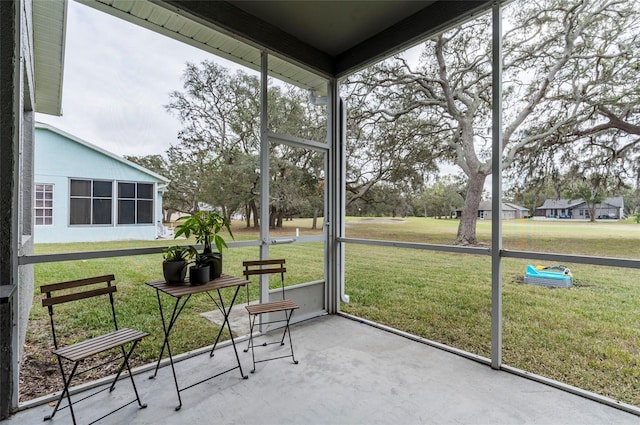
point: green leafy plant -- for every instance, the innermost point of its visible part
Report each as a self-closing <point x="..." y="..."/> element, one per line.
<point x="202" y="260"/>
<point x="179" y="253"/>
<point x="206" y="226"/>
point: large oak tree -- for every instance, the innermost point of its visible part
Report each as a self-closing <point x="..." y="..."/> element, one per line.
<point x="570" y="94"/>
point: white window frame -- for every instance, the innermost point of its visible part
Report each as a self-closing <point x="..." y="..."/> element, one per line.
<point x="47" y="188"/>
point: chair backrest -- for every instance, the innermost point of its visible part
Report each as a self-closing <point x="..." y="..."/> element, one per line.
<point x="64" y="292"/>
<point x="265" y="267"/>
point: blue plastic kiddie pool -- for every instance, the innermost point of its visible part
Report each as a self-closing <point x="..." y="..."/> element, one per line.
<point x="555" y="276"/>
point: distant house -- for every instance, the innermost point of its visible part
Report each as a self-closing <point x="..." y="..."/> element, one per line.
<point x="83" y="193"/>
<point x="509" y="211"/>
<point x="610" y="208"/>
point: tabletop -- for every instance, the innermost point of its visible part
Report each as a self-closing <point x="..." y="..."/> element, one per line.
<point x="181" y="289"/>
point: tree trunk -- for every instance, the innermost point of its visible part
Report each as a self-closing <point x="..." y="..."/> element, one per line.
<point x="247" y="215"/>
<point x="272" y="217"/>
<point x="467" y="226"/>
<point x="314" y="223"/>
<point x="592" y="209"/>
<point x="253" y="208"/>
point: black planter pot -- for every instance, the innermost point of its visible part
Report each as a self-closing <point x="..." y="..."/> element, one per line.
<point x="199" y="275"/>
<point x="216" y="265"/>
<point x="214" y="261"/>
<point x="174" y="271"/>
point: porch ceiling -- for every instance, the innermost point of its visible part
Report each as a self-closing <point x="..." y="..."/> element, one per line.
<point x="309" y="41"/>
<point x="333" y="38"/>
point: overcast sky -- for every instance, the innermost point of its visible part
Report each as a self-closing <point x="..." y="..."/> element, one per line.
<point x="117" y="77"/>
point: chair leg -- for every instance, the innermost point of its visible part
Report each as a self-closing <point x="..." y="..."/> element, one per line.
<point x="250" y="327"/>
<point x="288" y="332"/>
<point x="126" y="363"/>
<point x="120" y="369"/>
<point x="67" y="382"/>
<point x="287" y="315"/>
<point x="248" y="343"/>
<point x="253" y="355"/>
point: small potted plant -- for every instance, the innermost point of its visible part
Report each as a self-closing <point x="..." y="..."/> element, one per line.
<point x="206" y="226"/>
<point x="176" y="258"/>
<point x="200" y="273"/>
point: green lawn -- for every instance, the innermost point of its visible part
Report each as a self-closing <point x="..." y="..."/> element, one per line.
<point x="586" y="336"/>
<point x="606" y="238"/>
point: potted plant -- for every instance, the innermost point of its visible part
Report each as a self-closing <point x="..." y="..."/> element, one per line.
<point x="200" y="272"/>
<point x="206" y="226"/>
<point x="176" y="258"/>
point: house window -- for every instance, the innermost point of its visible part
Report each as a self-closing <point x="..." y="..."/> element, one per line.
<point x="90" y="202"/>
<point x="135" y="203"/>
<point x="44" y="204"/>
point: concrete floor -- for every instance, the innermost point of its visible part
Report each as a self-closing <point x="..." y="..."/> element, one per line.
<point x="348" y="373"/>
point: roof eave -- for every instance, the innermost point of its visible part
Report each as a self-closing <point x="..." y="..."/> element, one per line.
<point x="49" y="37"/>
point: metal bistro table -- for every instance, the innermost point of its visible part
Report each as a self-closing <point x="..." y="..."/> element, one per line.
<point x="182" y="293"/>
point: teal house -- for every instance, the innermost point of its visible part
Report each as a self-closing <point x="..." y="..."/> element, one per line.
<point x="82" y="193"/>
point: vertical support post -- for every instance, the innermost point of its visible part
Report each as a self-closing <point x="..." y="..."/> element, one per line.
<point x="7" y="388"/>
<point x="341" y="191"/>
<point x="10" y="107"/>
<point x="496" y="191"/>
<point x="336" y="218"/>
<point x="264" y="173"/>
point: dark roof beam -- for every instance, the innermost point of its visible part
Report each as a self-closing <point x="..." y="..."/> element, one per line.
<point x="408" y="32"/>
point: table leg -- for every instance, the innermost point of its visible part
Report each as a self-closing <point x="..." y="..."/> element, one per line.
<point x="164" y="329"/>
<point x="177" y="309"/>
<point x="226" y="314"/>
<point x="221" y="309"/>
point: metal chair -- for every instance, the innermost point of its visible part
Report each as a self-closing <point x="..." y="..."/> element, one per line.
<point x="271" y="308"/>
<point x="77" y="353"/>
